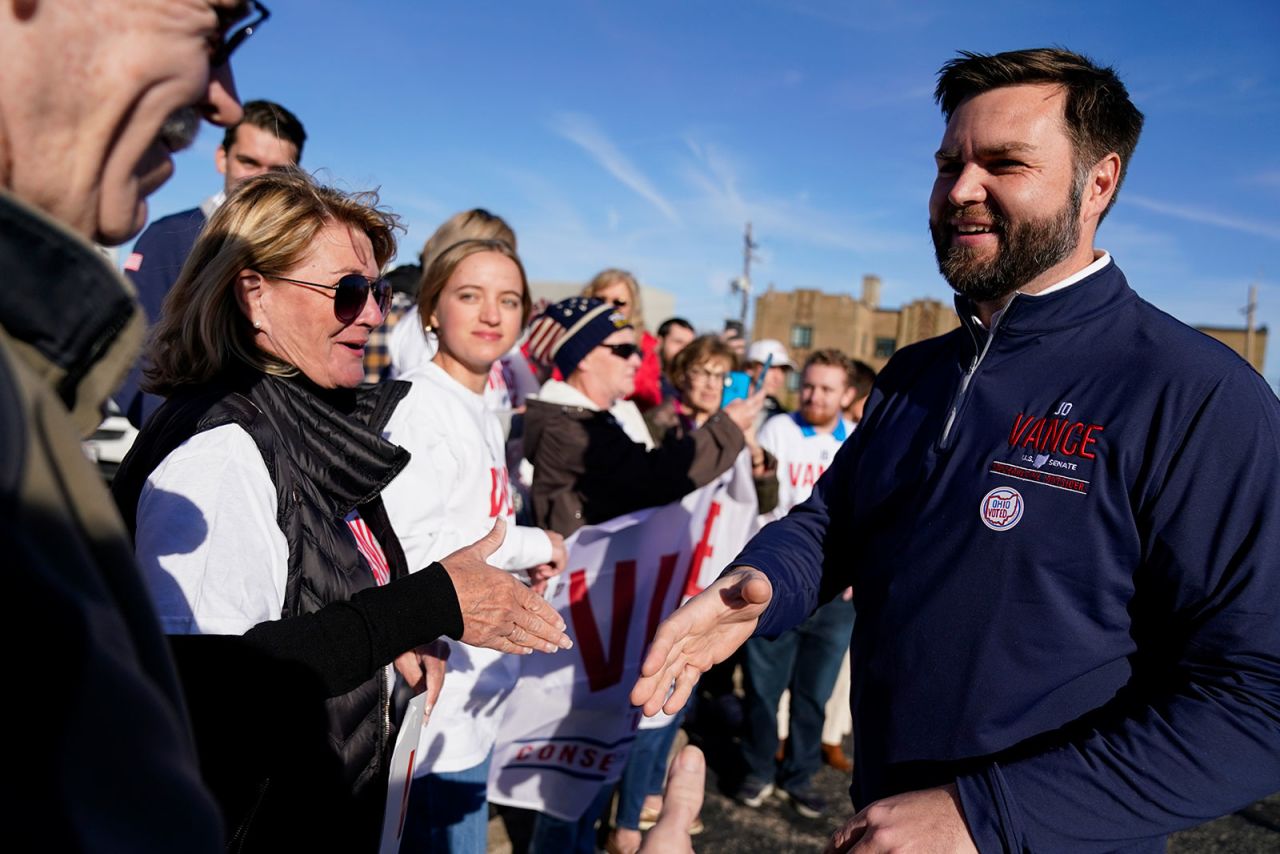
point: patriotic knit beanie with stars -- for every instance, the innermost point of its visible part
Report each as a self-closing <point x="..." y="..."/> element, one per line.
<point x="566" y="332"/>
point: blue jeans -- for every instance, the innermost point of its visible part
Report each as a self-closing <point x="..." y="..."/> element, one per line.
<point x="449" y="812"/>
<point x="553" y="835"/>
<point x="805" y="659"/>
<point x="646" y="771"/>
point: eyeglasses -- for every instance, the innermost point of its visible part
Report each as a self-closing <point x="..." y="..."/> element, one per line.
<point x="622" y="351"/>
<point x="350" y="293"/>
<point x="223" y="52"/>
<point x="716" y="378"/>
<point x="620" y="303"/>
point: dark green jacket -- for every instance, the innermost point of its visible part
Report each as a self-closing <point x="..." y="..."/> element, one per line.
<point x="104" y="760"/>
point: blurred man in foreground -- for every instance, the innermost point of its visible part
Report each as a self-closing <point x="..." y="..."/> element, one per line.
<point x="110" y="764"/>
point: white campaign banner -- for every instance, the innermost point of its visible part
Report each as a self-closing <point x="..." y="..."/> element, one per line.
<point x="568" y="724"/>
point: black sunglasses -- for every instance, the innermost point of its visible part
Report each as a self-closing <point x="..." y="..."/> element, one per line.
<point x="622" y="351"/>
<point x="223" y="52"/>
<point x="350" y="293"/>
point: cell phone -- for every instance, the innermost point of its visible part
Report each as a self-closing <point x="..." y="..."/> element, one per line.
<point x="764" y="372"/>
<point x="737" y="386"/>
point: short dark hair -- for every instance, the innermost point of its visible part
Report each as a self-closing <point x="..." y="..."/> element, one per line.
<point x="274" y="119"/>
<point x="665" y="328"/>
<point x="1098" y="114"/>
<point x="861" y="378"/>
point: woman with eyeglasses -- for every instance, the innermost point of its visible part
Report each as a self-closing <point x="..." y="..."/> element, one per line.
<point x="698" y="373"/>
<point x="622" y="290"/>
<point x="475" y="300"/>
<point x="253" y="495"/>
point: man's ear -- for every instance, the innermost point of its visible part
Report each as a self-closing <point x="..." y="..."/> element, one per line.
<point x="846" y="399"/>
<point x="220" y="159"/>
<point x="1100" y="188"/>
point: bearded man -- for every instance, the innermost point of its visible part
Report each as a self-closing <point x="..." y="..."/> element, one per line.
<point x="1066" y="562"/>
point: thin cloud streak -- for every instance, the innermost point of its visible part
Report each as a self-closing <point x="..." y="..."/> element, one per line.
<point x="583" y="132"/>
<point x="1206" y="217"/>
<point x="715" y="177"/>
<point x="1270" y="180"/>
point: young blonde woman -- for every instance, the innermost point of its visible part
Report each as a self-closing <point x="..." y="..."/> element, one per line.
<point x="475" y="300"/>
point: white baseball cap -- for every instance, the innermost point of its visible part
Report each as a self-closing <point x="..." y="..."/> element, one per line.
<point x="761" y="350"/>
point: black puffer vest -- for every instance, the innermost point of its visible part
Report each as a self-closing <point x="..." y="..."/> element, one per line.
<point x="324" y="452"/>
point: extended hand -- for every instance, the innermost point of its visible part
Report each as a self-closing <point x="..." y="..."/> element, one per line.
<point x="929" y="821"/>
<point x="498" y="611"/>
<point x="701" y="633"/>
<point x="681" y="803"/>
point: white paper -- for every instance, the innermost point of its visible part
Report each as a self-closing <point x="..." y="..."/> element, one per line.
<point x="403" y="759"/>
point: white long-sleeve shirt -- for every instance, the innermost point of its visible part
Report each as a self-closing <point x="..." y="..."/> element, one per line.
<point x="448" y="496"/>
<point x="213" y="556"/>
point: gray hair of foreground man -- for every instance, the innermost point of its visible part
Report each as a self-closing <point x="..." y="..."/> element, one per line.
<point x="1098" y="114"/>
<point x="267" y="224"/>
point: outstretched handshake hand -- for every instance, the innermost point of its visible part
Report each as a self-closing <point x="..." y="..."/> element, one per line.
<point x="498" y="611"/>
<point x="701" y="633"/>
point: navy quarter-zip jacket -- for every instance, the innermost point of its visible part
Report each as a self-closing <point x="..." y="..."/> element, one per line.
<point x="1064" y="539"/>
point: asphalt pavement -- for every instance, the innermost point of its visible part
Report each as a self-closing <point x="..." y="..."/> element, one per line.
<point x="776" y="828"/>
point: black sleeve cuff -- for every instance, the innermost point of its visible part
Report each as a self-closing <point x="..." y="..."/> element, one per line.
<point x="413" y="610"/>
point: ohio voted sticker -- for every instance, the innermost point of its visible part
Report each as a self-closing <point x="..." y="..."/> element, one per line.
<point x="1001" y="508"/>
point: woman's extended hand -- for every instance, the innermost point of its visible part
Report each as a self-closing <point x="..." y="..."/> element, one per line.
<point x="498" y="611"/>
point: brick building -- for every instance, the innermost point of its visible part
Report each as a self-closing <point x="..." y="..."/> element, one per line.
<point x="1253" y="349"/>
<point x="807" y="320"/>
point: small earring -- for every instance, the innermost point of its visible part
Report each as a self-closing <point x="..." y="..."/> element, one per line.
<point x="257" y="325"/>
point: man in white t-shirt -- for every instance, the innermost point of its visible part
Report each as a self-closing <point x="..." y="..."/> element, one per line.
<point x="806" y="660"/>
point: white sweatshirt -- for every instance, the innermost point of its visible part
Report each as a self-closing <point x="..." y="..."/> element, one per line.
<point x="447" y="497"/>
<point x="803" y="455"/>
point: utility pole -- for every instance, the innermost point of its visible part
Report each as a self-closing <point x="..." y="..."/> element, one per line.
<point x="742" y="284"/>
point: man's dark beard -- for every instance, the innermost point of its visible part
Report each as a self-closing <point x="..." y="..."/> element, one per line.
<point x="1024" y="251"/>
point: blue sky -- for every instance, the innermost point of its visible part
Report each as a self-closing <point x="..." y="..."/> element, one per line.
<point x="645" y="135"/>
